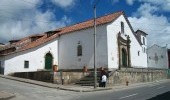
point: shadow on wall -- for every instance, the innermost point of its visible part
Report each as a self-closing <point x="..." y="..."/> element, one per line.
<point x="45" y="76"/>
<point x="164" y="96"/>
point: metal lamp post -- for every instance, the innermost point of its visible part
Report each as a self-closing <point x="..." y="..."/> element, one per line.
<point x="95" y="72"/>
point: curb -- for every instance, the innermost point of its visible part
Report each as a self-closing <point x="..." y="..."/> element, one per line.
<point x="104" y="89"/>
<point x="81" y="90"/>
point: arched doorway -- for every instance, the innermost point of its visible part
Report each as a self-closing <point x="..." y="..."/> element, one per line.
<point x="124" y="58"/>
<point x="48" y="61"/>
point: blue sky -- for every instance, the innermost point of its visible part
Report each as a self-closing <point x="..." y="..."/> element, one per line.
<point x="20" y="18"/>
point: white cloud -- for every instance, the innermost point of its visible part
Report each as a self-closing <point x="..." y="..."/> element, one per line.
<point x="23" y="19"/>
<point x="129" y="2"/>
<point x="146" y="10"/>
<point x="162" y="4"/>
<point x="64" y="3"/>
<point x="157" y="27"/>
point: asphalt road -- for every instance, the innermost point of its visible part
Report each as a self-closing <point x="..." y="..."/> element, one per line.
<point x="157" y="91"/>
<point x="25" y="91"/>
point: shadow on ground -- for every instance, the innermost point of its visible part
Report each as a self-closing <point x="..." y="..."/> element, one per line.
<point x="164" y="96"/>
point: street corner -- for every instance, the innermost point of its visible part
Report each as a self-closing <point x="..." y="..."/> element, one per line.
<point x="6" y="95"/>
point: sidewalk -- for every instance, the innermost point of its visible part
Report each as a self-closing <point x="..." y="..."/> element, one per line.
<point x="5" y="95"/>
<point x="77" y="88"/>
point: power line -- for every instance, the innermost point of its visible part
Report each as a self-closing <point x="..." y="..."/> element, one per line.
<point x="30" y="3"/>
<point x="15" y="18"/>
<point x="27" y="2"/>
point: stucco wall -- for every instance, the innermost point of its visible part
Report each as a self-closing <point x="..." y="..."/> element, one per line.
<point x="68" y="49"/>
<point x="35" y="56"/>
<point x="113" y="56"/>
<point x="157" y="57"/>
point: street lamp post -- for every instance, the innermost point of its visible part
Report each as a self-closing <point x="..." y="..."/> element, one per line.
<point x="95" y="72"/>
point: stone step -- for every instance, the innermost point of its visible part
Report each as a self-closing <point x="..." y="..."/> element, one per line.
<point x="88" y="80"/>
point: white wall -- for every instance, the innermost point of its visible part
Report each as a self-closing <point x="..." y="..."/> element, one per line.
<point x="113" y="56"/>
<point x="162" y="57"/>
<point x="68" y="49"/>
<point x="35" y="56"/>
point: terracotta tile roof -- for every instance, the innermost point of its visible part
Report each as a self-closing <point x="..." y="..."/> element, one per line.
<point x="25" y="43"/>
<point x="90" y="23"/>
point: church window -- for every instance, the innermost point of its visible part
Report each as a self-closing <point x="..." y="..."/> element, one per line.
<point x="26" y="64"/>
<point x="122" y="27"/>
<point x="79" y="50"/>
<point x="138" y="53"/>
<point x="143" y="40"/>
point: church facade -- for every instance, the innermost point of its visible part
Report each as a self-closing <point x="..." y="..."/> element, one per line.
<point x="72" y="47"/>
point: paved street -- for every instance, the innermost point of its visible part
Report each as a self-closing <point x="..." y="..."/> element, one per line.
<point x="25" y="91"/>
<point x="157" y="91"/>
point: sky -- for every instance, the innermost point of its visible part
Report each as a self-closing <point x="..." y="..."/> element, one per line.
<point x="21" y="18"/>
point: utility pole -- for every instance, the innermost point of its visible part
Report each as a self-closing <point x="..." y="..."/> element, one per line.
<point x="95" y="72"/>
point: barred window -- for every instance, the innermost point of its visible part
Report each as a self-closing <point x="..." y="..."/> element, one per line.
<point x="26" y="64"/>
<point x="138" y="53"/>
<point x="79" y="50"/>
<point x="143" y="41"/>
<point x="122" y="27"/>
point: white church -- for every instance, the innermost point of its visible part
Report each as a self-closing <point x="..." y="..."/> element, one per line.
<point x="72" y="47"/>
